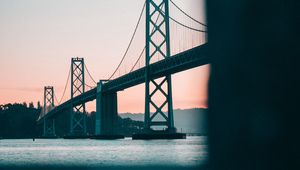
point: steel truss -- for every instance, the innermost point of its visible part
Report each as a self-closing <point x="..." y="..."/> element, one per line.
<point x="49" y="123"/>
<point x="78" y="113"/>
<point x="158" y="44"/>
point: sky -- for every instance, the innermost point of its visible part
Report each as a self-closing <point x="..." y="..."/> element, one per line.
<point x="38" y="39"/>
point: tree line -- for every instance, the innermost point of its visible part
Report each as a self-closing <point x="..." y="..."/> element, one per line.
<point x="18" y="120"/>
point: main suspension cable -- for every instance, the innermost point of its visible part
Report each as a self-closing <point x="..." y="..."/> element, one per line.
<point x="56" y="99"/>
<point x="145" y="46"/>
<point x="89" y="73"/>
<point x="132" y="37"/>
<point x="89" y="86"/>
<point x="65" y="86"/>
<point x="194" y="29"/>
<point x="188" y="14"/>
<point x="137" y="60"/>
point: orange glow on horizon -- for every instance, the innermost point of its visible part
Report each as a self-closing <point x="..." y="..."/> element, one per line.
<point x="189" y="91"/>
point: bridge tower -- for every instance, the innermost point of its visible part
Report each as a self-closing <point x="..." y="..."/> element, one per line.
<point x="49" y="123"/>
<point x="158" y="45"/>
<point x="78" y="113"/>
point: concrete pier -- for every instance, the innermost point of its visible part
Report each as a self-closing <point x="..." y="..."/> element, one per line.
<point x="106" y="114"/>
<point x="154" y="134"/>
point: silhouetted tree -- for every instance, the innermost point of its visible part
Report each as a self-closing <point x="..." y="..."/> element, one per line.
<point x="17" y="121"/>
<point x="31" y="105"/>
<point x="7" y="106"/>
<point x="24" y="104"/>
<point x="38" y="105"/>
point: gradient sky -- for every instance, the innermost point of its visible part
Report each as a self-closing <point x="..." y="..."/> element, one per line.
<point x="38" y="39"/>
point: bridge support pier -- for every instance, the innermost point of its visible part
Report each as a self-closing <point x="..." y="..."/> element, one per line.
<point x="49" y="128"/>
<point x="106" y="114"/>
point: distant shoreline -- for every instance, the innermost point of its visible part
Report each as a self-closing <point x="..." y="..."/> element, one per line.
<point x="188" y="134"/>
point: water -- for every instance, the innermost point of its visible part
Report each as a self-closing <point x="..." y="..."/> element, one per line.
<point x="88" y="153"/>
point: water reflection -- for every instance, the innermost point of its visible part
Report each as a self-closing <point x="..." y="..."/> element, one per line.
<point x="191" y="152"/>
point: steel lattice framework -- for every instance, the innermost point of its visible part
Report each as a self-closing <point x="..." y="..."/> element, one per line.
<point x="158" y="44"/>
<point x="78" y="116"/>
<point x="49" y="124"/>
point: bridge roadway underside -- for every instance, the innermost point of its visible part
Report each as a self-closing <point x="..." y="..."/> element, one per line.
<point x="180" y="62"/>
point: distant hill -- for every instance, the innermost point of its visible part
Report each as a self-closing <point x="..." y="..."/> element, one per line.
<point x="186" y="120"/>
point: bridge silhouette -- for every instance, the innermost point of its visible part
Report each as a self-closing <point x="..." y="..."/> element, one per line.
<point x="155" y="74"/>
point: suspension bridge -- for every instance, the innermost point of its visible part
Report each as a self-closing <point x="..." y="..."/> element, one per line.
<point x="154" y="66"/>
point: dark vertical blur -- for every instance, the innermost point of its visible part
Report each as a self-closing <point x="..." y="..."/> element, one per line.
<point x="254" y="101"/>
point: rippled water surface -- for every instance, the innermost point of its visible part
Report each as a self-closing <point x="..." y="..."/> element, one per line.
<point x="188" y="152"/>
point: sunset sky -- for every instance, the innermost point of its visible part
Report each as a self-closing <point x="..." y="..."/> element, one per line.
<point x="38" y="39"/>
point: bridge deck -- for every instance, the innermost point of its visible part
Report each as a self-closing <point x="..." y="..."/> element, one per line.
<point x="180" y="62"/>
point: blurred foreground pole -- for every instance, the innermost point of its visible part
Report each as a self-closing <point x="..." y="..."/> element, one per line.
<point x="254" y="101"/>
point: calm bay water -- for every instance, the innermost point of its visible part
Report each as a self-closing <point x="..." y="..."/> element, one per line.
<point x="88" y="153"/>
